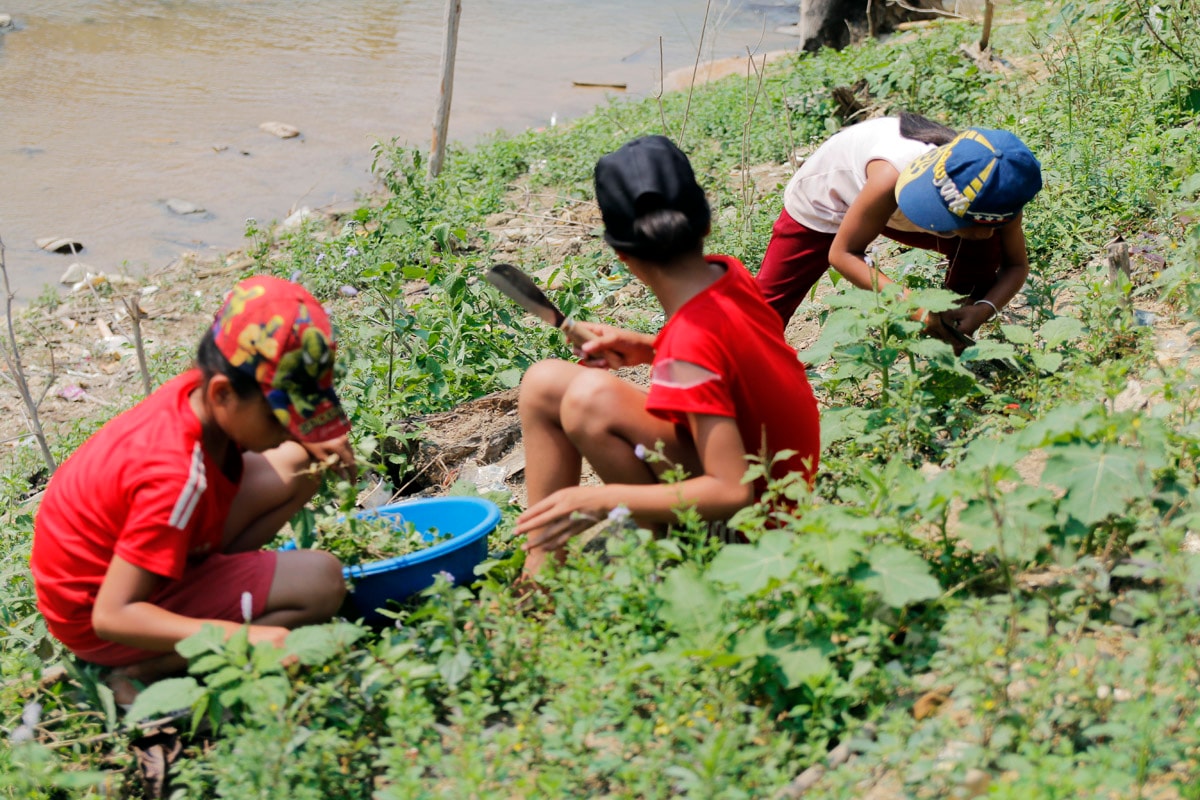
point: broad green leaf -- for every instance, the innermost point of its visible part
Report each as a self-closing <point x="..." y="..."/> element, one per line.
<point x="164" y="697"/>
<point x="313" y="645"/>
<point x="842" y="423"/>
<point x="225" y="676"/>
<point x="266" y="657"/>
<point x="1017" y="334"/>
<point x="266" y="695"/>
<point x="1060" y="330"/>
<point x="989" y="350"/>
<point x="453" y="668"/>
<point x="835" y="553"/>
<point x="1049" y="363"/>
<point x="900" y="577"/>
<point x="749" y="568"/>
<point x="752" y="643"/>
<point x="207" y="663"/>
<point x="1099" y="481"/>
<point x="209" y="639"/>
<point x="690" y="603"/>
<point x="802" y="665"/>
<point x="1025" y="514"/>
<point x="996" y="455"/>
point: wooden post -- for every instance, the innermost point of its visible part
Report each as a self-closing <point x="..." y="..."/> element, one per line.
<point x="985" y="38"/>
<point x="441" y="118"/>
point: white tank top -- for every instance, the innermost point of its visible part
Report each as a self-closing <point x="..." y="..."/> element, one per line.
<point x="821" y="191"/>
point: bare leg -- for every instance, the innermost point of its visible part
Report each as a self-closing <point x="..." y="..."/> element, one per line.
<point x="274" y="487"/>
<point x="569" y="412"/>
<point x="307" y="588"/>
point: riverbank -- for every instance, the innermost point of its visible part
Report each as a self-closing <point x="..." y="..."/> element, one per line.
<point x="986" y="591"/>
<point x="186" y="86"/>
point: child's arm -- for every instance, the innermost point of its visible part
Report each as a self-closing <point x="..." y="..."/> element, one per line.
<point x="1014" y="270"/>
<point x="866" y="218"/>
<point x="123" y="614"/>
<point x="716" y="494"/>
<point x="615" y="347"/>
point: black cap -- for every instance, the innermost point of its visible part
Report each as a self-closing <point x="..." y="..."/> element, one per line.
<point x="645" y="175"/>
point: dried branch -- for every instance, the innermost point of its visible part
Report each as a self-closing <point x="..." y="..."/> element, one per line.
<point x="135" y="315"/>
<point x="695" y="70"/>
<point x="16" y="371"/>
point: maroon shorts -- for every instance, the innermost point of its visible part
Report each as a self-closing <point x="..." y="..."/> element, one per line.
<point x="212" y="589"/>
<point x="797" y="257"/>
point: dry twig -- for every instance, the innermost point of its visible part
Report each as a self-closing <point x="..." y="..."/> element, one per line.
<point x="17" y="372"/>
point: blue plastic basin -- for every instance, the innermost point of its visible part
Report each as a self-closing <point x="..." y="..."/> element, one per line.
<point x="468" y="520"/>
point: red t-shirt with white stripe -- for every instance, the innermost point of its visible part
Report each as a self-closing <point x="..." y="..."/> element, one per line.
<point x="724" y="354"/>
<point x="143" y="488"/>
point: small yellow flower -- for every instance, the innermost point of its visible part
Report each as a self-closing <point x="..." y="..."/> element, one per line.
<point x="988" y="705"/>
<point x="1000" y="651"/>
<point x="518" y="747"/>
<point x="1073" y="671"/>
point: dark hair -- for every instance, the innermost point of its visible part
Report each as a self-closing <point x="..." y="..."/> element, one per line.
<point x="923" y="129"/>
<point x="211" y="361"/>
<point x="664" y="234"/>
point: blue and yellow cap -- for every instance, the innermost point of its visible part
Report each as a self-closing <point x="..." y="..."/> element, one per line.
<point x="982" y="177"/>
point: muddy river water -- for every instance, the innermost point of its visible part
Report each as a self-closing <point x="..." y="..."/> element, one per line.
<point x="111" y="108"/>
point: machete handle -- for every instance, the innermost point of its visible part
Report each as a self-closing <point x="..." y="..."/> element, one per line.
<point x="576" y="332"/>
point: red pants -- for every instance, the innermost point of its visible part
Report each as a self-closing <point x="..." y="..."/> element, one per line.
<point x="797" y="257"/>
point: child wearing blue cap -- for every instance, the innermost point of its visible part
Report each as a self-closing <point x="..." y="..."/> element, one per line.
<point x="921" y="184"/>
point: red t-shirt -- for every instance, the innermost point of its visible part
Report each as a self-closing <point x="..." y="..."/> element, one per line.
<point x="142" y="488"/>
<point x="723" y="354"/>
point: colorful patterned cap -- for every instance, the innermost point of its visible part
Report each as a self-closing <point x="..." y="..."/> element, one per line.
<point x="276" y="331"/>
<point x="982" y="177"/>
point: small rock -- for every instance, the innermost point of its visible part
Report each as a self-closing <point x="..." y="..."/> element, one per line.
<point x="59" y="244"/>
<point x="1102" y="692"/>
<point x="976" y="783"/>
<point x="149" y="290"/>
<point x="74" y="274"/>
<point x="1191" y="542"/>
<point x="928" y="704"/>
<point x="1122" y="695"/>
<point x="839" y="755"/>
<point x="296" y="219"/>
<point x="5" y="21"/>
<point x="183" y="207"/>
<point x="348" y="291"/>
<point x="280" y="129"/>
<point x="802" y="783"/>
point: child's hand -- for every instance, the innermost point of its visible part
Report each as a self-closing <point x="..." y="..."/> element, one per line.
<point x="552" y="522"/>
<point x="967" y="318"/>
<point x="274" y="634"/>
<point x="614" y="347"/>
<point x="337" y="455"/>
<point x="939" y="326"/>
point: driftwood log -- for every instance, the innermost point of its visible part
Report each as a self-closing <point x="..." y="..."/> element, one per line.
<point x="839" y="23"/>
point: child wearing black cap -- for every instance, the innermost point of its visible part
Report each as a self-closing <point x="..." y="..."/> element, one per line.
<point x="154" y="526"/>
<point x="723" y="383"/>
<point x="918" y="183"/>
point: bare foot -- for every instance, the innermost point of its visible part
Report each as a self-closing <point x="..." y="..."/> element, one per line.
<point x="124" y="690"/>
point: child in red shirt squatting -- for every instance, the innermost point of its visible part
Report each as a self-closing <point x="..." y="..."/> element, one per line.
<point x="154" y="526"/>
<point x="724" y="383"/>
